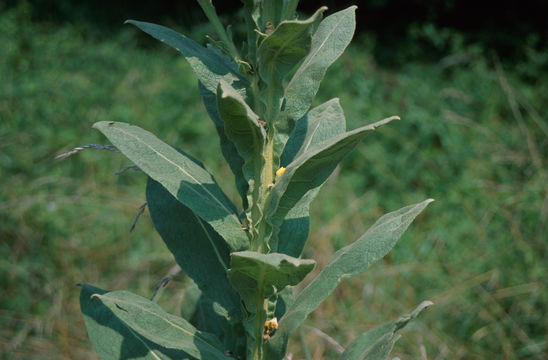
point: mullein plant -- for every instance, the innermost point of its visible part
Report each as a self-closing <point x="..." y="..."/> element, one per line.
<point x="244" y="259"/>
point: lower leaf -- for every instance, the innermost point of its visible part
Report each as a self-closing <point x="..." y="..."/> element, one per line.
<point x="147" y="321"/>
<point x="113" y="339"/>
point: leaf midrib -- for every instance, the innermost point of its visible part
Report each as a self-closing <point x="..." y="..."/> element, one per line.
<point x="187" y="332"/>
<point x="310" y="57"/>
<point x="143" y="142"/>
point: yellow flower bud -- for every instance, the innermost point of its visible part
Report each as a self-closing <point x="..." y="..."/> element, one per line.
<point x="279" y="172"/>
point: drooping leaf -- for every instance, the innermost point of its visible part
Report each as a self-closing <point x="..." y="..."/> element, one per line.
<point x="308" y="171"/>
<point x="328" y="43"/>
<point x="279" y="53"/>
<point x="113" y="339"/>
<point x="188" y="182"/>
<point x="377" y="343"/>
<point x="256" y="275"/>
<point x="209" y="64"/>
<point x="319" y="124"/>
<point x="150" y="322"/>
<point x="234" y="160"/>
<point x="346" y="263"/>
<point x="271" y="272"/>
<point x="200" y="251"/>
<point x="242" y="128"/>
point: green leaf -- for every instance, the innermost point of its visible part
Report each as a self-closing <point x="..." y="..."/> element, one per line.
<point x="346" y="263"/>
<point x="113" y="339"/>
<point x="209" y="64"/>
<point x="308" y="171"/>
<point x="149" y="321"/>
<point x="188" y="182"/>
<point x="205" y="314"/>
<point x="328" y="43"/>
<point x="319" y="124"/>
<point x="199" y="250"/>
<point x="234" y="160"/>
<point x="279" y="53"/>
<point x="242" y="127"/>
<point x="376" y="344"/>
<point x="272" y="272"/>
<point x="257" y="277"/>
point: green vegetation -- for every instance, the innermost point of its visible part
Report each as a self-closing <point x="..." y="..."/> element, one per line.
<point x="479" y="252"/>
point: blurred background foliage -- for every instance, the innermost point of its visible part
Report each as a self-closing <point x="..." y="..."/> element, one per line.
<point x="468" y="83"/>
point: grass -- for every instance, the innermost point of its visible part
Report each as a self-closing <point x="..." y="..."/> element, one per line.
<point x="470" y="137"/>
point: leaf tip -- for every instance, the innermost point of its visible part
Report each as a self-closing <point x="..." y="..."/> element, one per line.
<point x="423" y="305"/>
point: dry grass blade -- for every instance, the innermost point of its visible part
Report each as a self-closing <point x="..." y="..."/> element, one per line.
<point x="139" y="213"/>
<point x="83" y="147"/>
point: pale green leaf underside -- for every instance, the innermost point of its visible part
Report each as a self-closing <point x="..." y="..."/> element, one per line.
<point x="346" y="263"/>
<point x="319" y="124"/>
<point x="309" y="170"/>
<point x="189" y="183"/>
<point x="148" y="320"/>
<point x="328" y="43"/>
<point x="279" y="53"/>
<point x="377" y="343"/>
<point x="115" y="340"/>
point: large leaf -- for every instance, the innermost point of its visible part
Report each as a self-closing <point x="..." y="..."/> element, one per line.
<point x="113" y="339"/>
<point x="328" y="43"/>
<point x="308" y="171"/>
<point x="199" y="250"/>
<point x="346" y="263"/>
<point x="149" y="321"/>
<point x="234" y="160"/>
<point x="376" y="344"/>
<point x="188" y="182"/>
<point x="209" y="64"/>
<point x="279" y="53"/>
<point x="319" y="124"/>
<point x="242" y="127"/>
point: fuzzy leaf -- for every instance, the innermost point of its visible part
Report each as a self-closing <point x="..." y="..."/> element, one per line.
<point x="328" y="43"/>
<point x="348" y="262"/>
<point x="149" y="321"/>
<point x="308" y="171"/>
<point x="199" y="250"/>
<point x="319" y="124"/>
<point x="209" y="64"/>
<point x="279" y="53"/>
<point x="242" y="128"/>
<point x="113" y="339"/>
<point x="271" y="271"/>
<point x="376" y="344"/>
<point x="188" y="182"/>
<point x="234" y="160"/>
